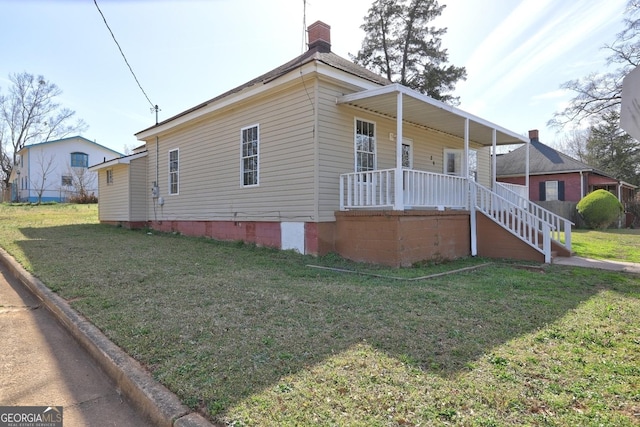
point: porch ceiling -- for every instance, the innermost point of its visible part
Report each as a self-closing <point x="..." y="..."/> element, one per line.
<point x="422" y="110"/>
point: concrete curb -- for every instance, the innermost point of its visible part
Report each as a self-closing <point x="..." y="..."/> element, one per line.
<point x="153" y="399"/>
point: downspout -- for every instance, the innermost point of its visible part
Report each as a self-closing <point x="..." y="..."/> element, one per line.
<point x="157" y="148"/>
<point x="581" y="185"/>
<point x="398" y="203"/>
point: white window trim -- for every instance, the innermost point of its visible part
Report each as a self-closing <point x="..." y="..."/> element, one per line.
<point x="355" y="142"/>
<point x="177" y="150"/>
<point x="445" y="156"/>
<point x="556" y="192"/>
<point x="461" y="151"/>
<point x="242" y="184"/>
<point x="109" y="173"/>
<point x="409" y="142"/>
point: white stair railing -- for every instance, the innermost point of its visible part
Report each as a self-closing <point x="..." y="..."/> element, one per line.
<point x="530" y="228"/>
<point x="559" y="226"/>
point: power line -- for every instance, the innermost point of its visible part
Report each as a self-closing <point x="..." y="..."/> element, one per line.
<point x="153" y="106"/>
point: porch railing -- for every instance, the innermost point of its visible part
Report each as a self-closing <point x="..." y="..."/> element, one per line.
<point x="560" y="227"/>
<point x="376" y="189"/>
<point x="428" y="189"/>
<point x="372" y="189"/>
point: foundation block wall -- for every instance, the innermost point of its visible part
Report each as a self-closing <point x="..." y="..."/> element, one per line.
<point x="400" y="239"/>
<point x="496" y="242"/>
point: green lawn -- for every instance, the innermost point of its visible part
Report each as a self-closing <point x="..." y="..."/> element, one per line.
<point x="614" y="244"/>
<point x="253" y="336"/>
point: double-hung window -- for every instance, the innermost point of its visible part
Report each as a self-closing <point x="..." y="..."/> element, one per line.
<point x="79" y="160"/>
<point x="109" y="176"/>
<point x="453" y="163"/>
<point x="365" y="146"/>
<point x="174" y="169"/>
<point x="250" y="151"/>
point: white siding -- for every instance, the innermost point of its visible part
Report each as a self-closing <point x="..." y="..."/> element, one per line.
<point x="54" y="160"/>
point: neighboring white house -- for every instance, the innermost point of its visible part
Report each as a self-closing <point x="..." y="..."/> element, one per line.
<point x="57" y="170"/>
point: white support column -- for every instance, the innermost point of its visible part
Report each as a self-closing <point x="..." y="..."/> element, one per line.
<point x="398" y="178"/>
<point x="494" y="143"/>
<point x="465" y="163"/>
<point x="526" y="169"/>
<point x="473" y="217"/>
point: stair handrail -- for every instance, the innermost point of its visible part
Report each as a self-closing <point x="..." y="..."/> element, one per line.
<point x="517" y="220"/>
<point x="558" y="223"/>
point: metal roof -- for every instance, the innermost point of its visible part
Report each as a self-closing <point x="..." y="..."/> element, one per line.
<point x="422" y="110"/>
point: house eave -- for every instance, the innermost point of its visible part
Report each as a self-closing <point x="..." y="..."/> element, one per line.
<point x="118" y="161"/>
<point x="304" y="71"/>
<point x="425" y="111"/>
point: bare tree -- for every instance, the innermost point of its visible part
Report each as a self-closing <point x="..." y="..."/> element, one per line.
<point x="38" y="177"/>
<point x="29" y="113"/>
<point x="574" y="144"/>
<point x="600" y="93"/>
<point x="83" y="183"/>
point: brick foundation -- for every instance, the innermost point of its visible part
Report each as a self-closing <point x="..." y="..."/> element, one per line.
<point x="400" y="239"/>
<point x="260" y="233"/>
<point x="496" y="242"/>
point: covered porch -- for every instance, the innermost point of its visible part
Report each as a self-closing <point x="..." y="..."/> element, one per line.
<point x="412" y="196"/>
<point x="403" y="187"/>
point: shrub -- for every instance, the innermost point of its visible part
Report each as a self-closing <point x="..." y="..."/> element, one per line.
<point x="83" y="198"/>
<point x="599" y="209"/>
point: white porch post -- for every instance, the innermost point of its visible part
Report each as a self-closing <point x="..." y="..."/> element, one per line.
<point x="471" y="192"/>
<point x="398" y="204"/>
<point x="494" y="173"/>
<point x="465" y="164"/>
<point x="526" y="170"/>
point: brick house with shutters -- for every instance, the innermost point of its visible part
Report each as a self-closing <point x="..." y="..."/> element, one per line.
<point x="556" y="180"/>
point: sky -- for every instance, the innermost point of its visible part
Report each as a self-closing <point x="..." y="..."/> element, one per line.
<point x="517" y="53"/>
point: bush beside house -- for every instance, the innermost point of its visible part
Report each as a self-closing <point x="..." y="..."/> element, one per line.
<point x="600" y="209"/>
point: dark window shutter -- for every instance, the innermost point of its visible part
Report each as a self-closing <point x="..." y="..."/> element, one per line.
<point x="561" y="190"/>
<point x="542" y="196"/>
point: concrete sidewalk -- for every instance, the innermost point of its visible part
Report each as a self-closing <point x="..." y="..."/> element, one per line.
<point x="627" y="267"/>
<point x="52" y="356"/>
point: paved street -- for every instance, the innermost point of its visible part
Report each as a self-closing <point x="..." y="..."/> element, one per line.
<point x="41" y="364"/>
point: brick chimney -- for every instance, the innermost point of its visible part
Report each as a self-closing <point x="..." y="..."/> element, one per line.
<point x="319" y="37"/>
<point x="533" y="135"/>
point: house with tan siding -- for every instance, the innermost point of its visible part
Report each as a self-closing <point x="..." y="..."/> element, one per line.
<point x="321" y="155"/>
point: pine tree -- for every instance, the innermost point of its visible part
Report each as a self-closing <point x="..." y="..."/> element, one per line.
<point x="613" y="151"/>
<point x="401" y="45"/>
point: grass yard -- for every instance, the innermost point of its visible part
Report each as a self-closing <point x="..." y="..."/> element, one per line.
<point x="255" y="337"/>
<point x="618" y="244"/>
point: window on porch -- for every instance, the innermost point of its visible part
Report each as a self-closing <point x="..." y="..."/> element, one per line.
<point x="365" y="146"/>
<point x="453" y="163"/>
